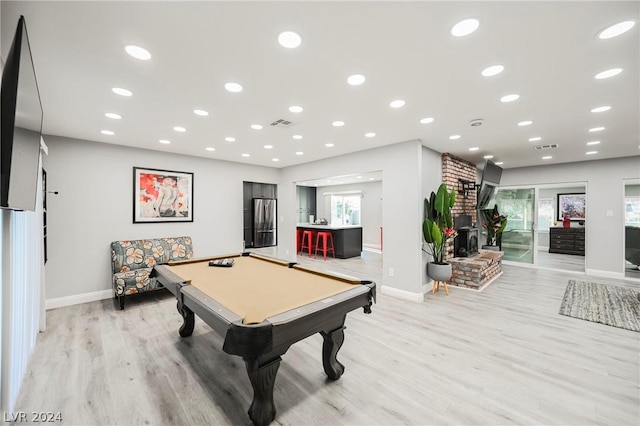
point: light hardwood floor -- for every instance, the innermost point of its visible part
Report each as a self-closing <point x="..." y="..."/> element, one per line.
<point x="498" y="357"/>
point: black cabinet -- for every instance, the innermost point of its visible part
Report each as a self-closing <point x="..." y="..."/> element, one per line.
<point x="566" y="241"/>
<point x="251" y="190"/>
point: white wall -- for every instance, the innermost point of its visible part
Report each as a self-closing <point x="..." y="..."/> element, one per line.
<point x="431" y="180"/>
<point x="401" y="166"/>
<point x="94" y="208"/>
<point x="370" y="206"/>
<point x="604" y="233"/>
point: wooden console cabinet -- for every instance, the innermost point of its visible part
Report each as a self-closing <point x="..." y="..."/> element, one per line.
<point x="566" y="240"/>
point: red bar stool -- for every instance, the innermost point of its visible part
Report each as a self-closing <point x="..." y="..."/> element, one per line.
<point x="326" y="236"/>
<point x="298" y="240"/>
<point x="308" y="236"/>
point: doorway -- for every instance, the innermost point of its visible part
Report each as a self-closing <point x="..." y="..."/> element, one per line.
<point x="632" y="228"/>
<point x="535" y="235"/>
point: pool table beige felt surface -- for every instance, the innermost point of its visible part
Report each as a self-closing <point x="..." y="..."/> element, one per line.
<point x="256" y="288"/>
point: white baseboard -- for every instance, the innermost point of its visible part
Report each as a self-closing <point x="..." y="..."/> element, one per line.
<point x="76" y="299"/>
<point x="371" y="246"/>
<point x="605" y="274"/>
<point x="402" y="294"/>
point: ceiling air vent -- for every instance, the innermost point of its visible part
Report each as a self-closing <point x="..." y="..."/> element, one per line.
<point x="551" y="146"/>
<point x="282" y="123"/>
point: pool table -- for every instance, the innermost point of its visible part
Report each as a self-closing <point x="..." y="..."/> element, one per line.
<point x="261" y="306"/>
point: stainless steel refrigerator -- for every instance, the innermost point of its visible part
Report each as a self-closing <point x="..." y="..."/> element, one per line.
<point x="264" y="222"/>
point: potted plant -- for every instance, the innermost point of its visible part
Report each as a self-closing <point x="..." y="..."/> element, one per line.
<point x="437" y="230"/>
<point x="495" y="225"/>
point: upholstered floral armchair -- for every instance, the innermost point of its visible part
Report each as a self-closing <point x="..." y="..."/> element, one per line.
<point x="133" y="260"/>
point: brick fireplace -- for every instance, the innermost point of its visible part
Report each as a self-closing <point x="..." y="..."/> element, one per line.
<point x="477" y="271"/>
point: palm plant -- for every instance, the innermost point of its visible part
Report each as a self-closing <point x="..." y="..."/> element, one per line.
<point x="437" y="227"/>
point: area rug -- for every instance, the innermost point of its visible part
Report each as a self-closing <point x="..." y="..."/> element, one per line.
<point x="604" y="304"/>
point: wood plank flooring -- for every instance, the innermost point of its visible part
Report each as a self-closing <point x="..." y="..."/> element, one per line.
<point x="498" y="357"/>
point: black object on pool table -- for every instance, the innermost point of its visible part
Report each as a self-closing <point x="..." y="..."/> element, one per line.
<point x="226" y="262"/>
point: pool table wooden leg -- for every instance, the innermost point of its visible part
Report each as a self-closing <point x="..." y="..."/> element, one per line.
<point x="262" y="410"/>
<point x="189" y="320"/>
<point x="332" y="343"/>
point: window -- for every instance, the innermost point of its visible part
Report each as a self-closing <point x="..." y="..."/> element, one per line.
<point x="632" y="211"/>
<point x="545" y="214"/>
<point x="345" y="209"/>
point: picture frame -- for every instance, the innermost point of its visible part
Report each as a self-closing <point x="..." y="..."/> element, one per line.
<point x="574" y="205"/>
<point x="162" y="196"/>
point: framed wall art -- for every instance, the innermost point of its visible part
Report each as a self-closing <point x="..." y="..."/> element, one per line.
<point x="162" y="196"/>
<point x="572" y="205"/>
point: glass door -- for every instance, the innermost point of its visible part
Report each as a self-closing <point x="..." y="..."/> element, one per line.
<point x="518" y="237"/>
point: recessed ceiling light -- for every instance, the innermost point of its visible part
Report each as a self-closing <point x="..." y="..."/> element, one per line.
<point x="138" y="52"/>
<point x="488" y="157"/>
<point x="601" y="109"/>
<point x="164" y="141"/>
<point x="499" y="163"/>
<point x="122" y="92"/>
<point x="230" y="139"/>
<point x="112" y="115"/>
<point x="299" y="153"/>
<point x="358" y="177"/>
<point x="370" y="134"/>
<point x="107" y="132"/>
<point x="426" y="120"/>
<point x="297" y="137"/>
<point x="256" y="127"/>
<point x="596" y="129"/>
<point x="289" y="39"/>
<point x="210" y="148"/>
<point x="200" y="112"/>
<point x="233" y="87"/>
<point x="465" y="27"/>
<point x="372" y="178"/>
<point x="179" y="129"/>
<point x="591" y="152"/>
<point x="608" y="73"/>
<point x="398" y="103"/>
<point x="616" y="30"/>
<point x="492" y="70"/>
<point x="275" y="159"/>
<point x="525" y="123"/>
<point x="295" y="108"/>
<point x="593" y="143"/>
<point x="509" y="98"/>
<point x="356" y="79"/>
<point x="246" y="155"/>
<point x="328" y="145"/>
<point x="547" y="157"/>
<point x="454" y="137"/>
<point x="475" y="148"/>
<point x="535" y="139"/>
<point x="338" y="123"/>
<point x="268" y="146"/>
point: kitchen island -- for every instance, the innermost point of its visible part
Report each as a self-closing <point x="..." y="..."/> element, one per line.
<point x="347" y="239"/>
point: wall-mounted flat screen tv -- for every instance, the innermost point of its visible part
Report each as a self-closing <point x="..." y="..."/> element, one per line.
<point x="21" y="126"/>
<point x="491" y="176"/>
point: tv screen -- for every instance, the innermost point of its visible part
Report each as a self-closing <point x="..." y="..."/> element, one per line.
<point x="21" y="126"/>
<point x="491" y="173"/>
<point x="491" y="176"/>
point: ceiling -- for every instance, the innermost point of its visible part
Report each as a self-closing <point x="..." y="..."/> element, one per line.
<point x="549" y="51"/>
